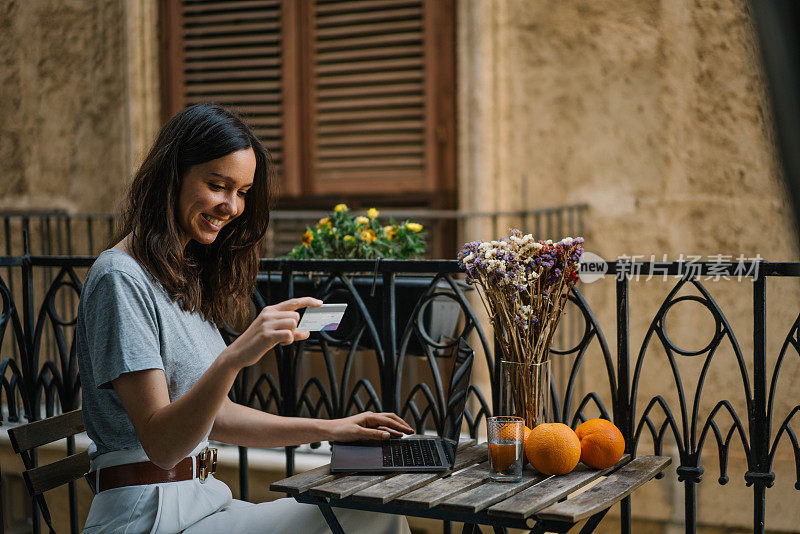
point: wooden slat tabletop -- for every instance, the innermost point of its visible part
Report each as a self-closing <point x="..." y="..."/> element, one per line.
<point x="438" y="490"/>
<point x="346" y="486"/>
<point x="305" y="480"/>
<point x="468" y="494"/>
<point x="403" y="483"/>
<point x="342" y="487"/>
<point x="322" y="474"/>
<point x="490" y="492"/>
<point x="553" y="489"/>
<point x="615" y="487"/>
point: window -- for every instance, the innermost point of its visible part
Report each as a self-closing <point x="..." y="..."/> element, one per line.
<point x="355" y="99"/>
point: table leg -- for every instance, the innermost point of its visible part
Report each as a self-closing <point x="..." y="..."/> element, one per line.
<point x="543" y="527"/>
<point x="473" y="528"/>
<point x="327" y="513"/>
<point x="594" y="521"/>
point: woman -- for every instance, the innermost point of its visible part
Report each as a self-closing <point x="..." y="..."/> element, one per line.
<point x="155" y="371"/>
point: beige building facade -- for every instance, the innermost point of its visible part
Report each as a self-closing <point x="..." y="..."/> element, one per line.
<point x="652" y="113"/>
<point x="655" y="115"/>
<point x="80" y="100"/>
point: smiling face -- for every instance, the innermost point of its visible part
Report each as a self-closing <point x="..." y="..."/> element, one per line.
<point x="212" y="194"/>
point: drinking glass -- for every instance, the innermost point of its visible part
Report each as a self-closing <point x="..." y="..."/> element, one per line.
<point x="505" y="447"/>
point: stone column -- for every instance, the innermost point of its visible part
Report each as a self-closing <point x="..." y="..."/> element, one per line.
<point x="142" y="78"/>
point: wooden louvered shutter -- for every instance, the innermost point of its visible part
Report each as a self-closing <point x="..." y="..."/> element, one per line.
<point x="372" y="111"/>
<point x="354" y="98"/>
<point x="232" y="53"/>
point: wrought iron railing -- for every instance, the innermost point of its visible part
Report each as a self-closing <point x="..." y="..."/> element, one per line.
<point x="59" y="233"/>
<point x="55" y="232"/>
<point x="402" y="363"/>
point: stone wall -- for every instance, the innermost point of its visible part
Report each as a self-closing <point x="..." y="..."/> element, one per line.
<point x="654" y="114"/>
<point x="78" y="99"/>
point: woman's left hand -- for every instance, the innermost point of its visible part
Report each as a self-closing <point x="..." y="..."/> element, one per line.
<point x="368" y="425"/>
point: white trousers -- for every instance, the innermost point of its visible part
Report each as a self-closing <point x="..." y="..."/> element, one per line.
<point x="196" y="507"/>
<point x="291" y="517"/>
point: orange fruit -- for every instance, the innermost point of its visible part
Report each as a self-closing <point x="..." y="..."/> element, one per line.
<point x="502" y="455"/>
<point x="525" y="433"/>
<point x="509" y="432"/>
<point x="553" y="449"/>
<point x="602" y="444"/>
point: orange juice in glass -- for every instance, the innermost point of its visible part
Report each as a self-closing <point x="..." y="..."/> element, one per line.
<point x="505" y="447"/>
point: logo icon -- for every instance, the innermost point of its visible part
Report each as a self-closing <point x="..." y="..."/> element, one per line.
<point x="591" y="267"/>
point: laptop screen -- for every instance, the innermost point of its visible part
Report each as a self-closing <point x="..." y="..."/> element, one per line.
<point x="457" y="391"/>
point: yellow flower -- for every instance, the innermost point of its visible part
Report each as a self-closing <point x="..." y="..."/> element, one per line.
<point x="362" y="220"/>
<point x="414" y="227"/>
<point x="324" y="223"/>
<point x="348" y="238"/>
<point x="368" y="236"/>
<point x="341" y="208"/>
<point x="390" y="231"/>
<point x="372" y="213"/>
<point x="308" y="237"/>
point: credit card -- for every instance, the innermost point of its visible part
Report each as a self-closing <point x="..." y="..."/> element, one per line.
<point x="325" y="317"/>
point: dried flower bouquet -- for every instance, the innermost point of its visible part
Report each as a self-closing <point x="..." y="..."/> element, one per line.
<point x="524" y="285"/>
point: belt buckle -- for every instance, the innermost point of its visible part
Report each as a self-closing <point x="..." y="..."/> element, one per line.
<point x="207" y="463"/>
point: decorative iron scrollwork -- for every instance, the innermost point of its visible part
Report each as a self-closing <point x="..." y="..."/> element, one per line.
<point x="326" y="376"/>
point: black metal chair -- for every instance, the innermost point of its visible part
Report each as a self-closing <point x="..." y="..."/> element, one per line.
<point x="39" y="479"/>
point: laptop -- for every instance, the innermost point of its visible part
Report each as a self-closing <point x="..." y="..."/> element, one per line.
<point x="414" y="454"/>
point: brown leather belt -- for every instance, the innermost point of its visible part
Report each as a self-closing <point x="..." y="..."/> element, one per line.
<point x="140" y="473"/>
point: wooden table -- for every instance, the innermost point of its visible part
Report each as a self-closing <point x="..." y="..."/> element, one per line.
<point x="466" y="495"/>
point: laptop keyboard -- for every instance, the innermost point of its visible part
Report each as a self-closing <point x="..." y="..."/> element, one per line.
<point x="410" y="453"/>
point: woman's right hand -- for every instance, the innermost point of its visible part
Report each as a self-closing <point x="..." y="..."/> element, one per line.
<point x="367" y="425"/>
<point x="274" y="325"/>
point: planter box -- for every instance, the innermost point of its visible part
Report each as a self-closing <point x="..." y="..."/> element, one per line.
<point x="440" y="318"/>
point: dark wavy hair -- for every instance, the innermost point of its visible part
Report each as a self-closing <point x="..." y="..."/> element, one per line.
<point x="216" y="279"/>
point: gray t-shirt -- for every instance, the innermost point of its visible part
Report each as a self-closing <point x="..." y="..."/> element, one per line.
<point x="127" y="322"/>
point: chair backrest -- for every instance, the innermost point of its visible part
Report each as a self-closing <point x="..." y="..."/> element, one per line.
<point x="41" y="478"/>
<point x="25" y="438"/>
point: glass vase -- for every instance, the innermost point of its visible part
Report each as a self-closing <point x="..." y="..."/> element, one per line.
<point x="525" y="391"/>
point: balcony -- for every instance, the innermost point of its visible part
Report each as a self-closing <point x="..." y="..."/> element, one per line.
<point x="664" y="353"/>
